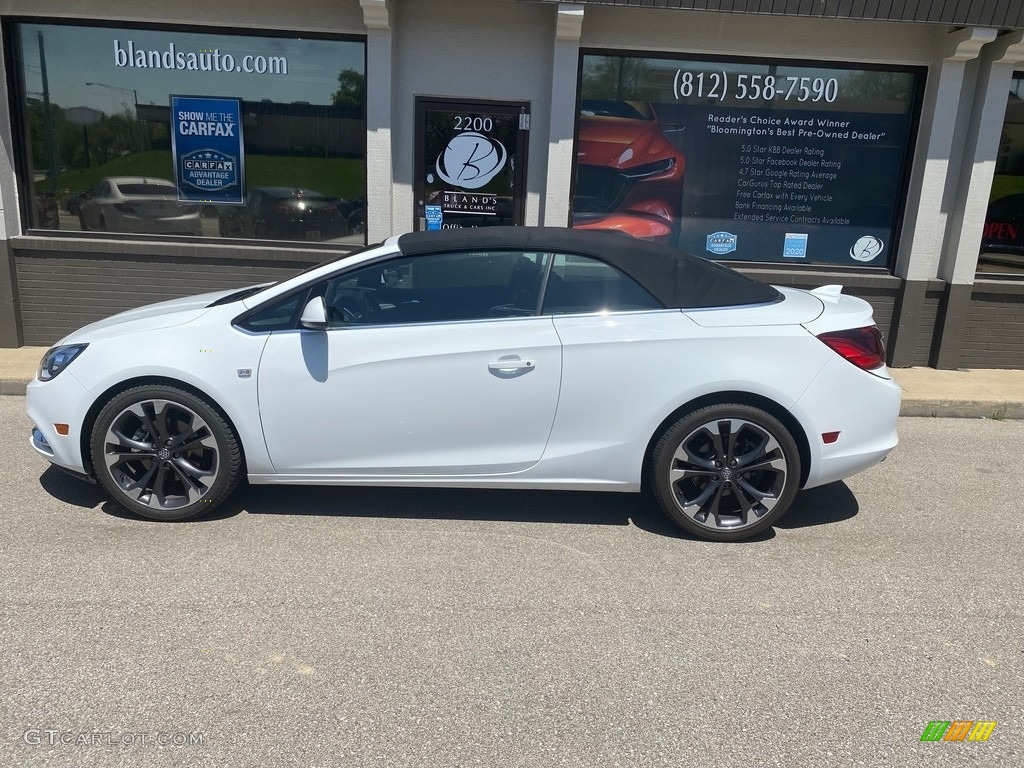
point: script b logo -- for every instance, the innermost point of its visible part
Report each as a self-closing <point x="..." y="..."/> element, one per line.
<point x="471" y="160"/>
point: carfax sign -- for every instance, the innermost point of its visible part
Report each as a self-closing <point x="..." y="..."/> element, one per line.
<point x="206" y="139"/>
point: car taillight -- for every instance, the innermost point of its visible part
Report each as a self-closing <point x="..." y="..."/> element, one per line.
<point x="861" y="346"/>
<point x="283" y="207"/>
<point x="124" y="207"/>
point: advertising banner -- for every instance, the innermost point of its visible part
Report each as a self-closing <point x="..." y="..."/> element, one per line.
<point x="206" y="141"/>
<point x="768" y="162"/>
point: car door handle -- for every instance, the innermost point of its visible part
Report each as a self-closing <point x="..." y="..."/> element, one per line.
<point x="507" y="366"/>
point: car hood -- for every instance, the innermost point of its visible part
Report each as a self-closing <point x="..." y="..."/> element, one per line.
<point x="165" y="314"/>
<point x="605" y="141"/>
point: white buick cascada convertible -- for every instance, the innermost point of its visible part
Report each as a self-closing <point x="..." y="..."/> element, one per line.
<point x="489" y="358"/>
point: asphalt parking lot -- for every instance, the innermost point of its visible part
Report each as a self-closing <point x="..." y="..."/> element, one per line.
<point x="393" y="627"/>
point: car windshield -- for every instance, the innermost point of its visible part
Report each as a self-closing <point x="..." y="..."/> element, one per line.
<point x="163" y="190"/>
<point x="246" y="293"/>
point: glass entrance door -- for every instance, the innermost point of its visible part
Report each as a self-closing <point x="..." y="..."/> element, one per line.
<point x="470" y="163"/>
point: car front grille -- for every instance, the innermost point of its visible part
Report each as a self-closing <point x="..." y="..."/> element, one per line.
<point x="599" y="189"/>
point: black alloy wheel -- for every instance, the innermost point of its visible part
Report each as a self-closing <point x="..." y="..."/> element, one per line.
<point x="725" y="472"/>
<point x="164" y="453"/>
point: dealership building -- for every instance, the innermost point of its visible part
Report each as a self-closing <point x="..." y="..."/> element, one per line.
<point x="153" y="150"/>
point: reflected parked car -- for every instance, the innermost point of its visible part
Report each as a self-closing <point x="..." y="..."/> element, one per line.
<point x="72" y="203"/>
<point x="285" y="213"/>
<point x="499" y="357"/>
<point x="629" y="177"/>
<point x="1002" y="240"/>
<point x="354" y="212"/>
<point x="139" y="205"/>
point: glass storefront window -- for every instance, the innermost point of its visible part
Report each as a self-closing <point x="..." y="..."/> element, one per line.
<point x="1002" y="241"/>
<point x="268" y="138"/>
<point x="747" y="160"/>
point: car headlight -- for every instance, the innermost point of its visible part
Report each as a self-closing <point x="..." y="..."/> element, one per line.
<point x="57" y="359"/>
<point x="650" y="169"/>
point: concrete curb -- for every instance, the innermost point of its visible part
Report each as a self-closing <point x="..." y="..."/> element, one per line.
<point x="963" y="409"/>
<point x="944" y="409"/>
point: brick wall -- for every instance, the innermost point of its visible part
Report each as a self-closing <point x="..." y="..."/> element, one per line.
<point x="993" y="335"/>
<point x="61" y="291"/>
<point x="62" y="286"/>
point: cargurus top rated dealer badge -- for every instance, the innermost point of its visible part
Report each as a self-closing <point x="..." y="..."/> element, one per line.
<point x="207" y="144"/>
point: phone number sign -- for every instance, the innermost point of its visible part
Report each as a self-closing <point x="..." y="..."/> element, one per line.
<point x="206" y="140"/>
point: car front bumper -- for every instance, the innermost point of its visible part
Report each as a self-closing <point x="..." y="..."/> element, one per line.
<point x="62" y="400"/>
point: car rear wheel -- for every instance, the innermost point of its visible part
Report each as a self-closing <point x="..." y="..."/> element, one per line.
<point x="164" y="453"/>
<point x="725" y="472"/>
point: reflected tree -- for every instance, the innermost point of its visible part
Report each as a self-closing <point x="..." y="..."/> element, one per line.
<point x="351" y="89"/>
<point x="112" y="137"/>
<point x="879" y="86"/>
<point x="621" y="78"/>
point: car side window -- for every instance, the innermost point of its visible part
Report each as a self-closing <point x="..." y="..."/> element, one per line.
<point x="582" y="284"/>
<point x="440" y="287"/>
<point x="281" y="315"/>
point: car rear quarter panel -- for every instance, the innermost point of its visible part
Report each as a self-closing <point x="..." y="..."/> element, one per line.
<point x="862" y="406"/>
<point x="624" y="374"/>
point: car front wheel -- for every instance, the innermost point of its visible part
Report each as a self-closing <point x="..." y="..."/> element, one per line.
<point x="725" y="472"/>
<point x="164" y="453"/>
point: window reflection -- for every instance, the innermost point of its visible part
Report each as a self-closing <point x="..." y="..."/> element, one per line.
<point x="1002" y="240"/>
<point x="98" y="149"/>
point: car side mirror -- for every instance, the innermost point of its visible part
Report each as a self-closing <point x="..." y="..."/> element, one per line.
<point x="314" y="315"/>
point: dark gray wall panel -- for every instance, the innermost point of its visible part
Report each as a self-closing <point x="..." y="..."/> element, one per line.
<point x="995" y="13"/>
<point x="926" y="331"/>
<point x="942" y="11"/>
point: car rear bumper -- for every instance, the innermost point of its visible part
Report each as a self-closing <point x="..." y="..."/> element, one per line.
<point x="862" y="407"/>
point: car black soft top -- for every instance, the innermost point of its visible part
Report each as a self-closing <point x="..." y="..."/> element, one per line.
<point x="675" y="278"/>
